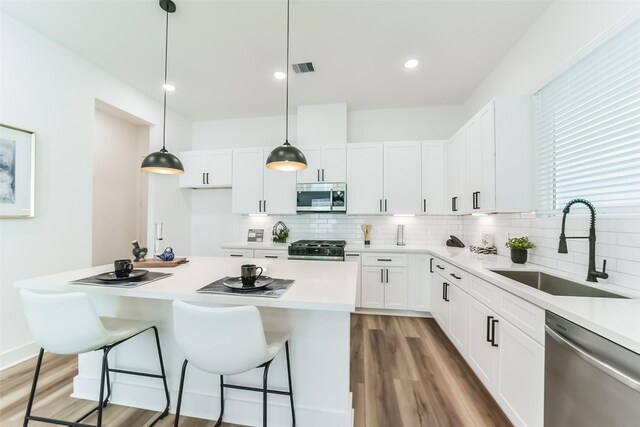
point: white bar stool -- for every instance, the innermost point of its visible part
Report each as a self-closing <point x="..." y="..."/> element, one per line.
<point x="68" y="324"/>
<point x="228" y="341"/>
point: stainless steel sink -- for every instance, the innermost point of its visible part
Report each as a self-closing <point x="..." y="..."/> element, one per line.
<point x="555" y="285"/>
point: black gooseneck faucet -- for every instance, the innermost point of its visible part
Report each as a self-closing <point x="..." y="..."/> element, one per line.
<point x="592" y="274"/>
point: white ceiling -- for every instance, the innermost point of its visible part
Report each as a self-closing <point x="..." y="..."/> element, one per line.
<point x="222" y="54"/>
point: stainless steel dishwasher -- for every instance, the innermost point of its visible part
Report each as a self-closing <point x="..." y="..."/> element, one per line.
<point x="589" y="380"/>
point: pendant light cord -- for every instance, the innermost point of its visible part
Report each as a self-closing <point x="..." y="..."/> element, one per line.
<point x="286" y="138"/>
<point x="166" y="54"/>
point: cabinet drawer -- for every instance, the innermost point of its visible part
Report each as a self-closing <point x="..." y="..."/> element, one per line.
<point x="274" y="254"/>
<point x="522" y="314"/>
<point x="385" y="260"/>
<point x="440" y="267"/>
<point x="239" y="253"/>
<point x="485" y="292"/>
<point x="458" y="277"/>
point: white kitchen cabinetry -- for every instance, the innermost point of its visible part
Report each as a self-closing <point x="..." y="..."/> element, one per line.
<point x="419" y="282"/>
<point x="433" y="178"/>
<point x="384" y="283"/>
<point x="239" y="253"/>
<point x="257" y="189"/>
<point x="270" y="254"/>
<point x="402" y="168"/>
<point x="481" y="355"/>
<point x="364" y="178"/>
<point x="384" y="178"/>
<point x="491" y="147"/>
<point x="520" y="386"/>
<point x="355" y="257"/>
<point x="324" y="164"/>
<point x="206" y="169"/>
<point x="457" y="301"/>
<point x="439" y="302"/>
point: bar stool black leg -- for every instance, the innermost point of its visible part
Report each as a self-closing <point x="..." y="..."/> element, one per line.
<point x="106" y="400"/>
<point x="219" y="422"/>
<point x="184" y="369"/>
<point x="293" y="410"/>
<point x="265" y="393"/>
<point x="164" y="378"/>
<point x="33" y="388"/>
<point x="102" y="380"/>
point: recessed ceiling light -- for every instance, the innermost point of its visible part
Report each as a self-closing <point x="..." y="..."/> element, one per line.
<point x="279" y="75"/>
<point x="169" y="87"/>
<point x="412" y="63"/>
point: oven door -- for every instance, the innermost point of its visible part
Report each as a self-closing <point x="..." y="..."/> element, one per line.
<point x="316" y="197"/>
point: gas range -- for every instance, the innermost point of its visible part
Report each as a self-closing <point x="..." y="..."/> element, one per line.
<point x="327" y="250"/>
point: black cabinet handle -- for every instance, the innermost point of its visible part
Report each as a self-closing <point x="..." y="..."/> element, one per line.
<point x="455" y="277"/>
<point x="489" y="319"/>
<point x="384" y="259"/>
<point x="202" y="178"/>
<point x="424" y="205"/>
<point x="493" y="332"/>
<point x="477" y="200"/>
<point x="318" y="175"/>
<point x="352" y="254"/>
<point x="454" y="204"/>
<point x="322" y="175"/>
<point x="265" y="205"/>
<point x="260" y="206"/>
<point x="380" y="205"/>
<point x="387" y="270"/>
<point x="236" y="255"/>
<point x="430" y="265"/>
<point x="446" y="291"/>
<point x="439" y="267"/>
<point x="271" y="256"/>
<point x="382" y="275"/>
<point x="385" y="205"/>
<point x="207" y="178"/>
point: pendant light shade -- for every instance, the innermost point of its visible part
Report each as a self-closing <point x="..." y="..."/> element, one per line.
<point x="286" y="157"/>
<point x="162" y="161"/>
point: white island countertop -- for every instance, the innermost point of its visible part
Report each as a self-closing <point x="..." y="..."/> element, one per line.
<point x="316" y="287"/>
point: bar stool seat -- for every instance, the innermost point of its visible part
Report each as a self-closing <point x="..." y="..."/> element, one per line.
<point x="228" y="341"/>
<point x="68" y="324"/>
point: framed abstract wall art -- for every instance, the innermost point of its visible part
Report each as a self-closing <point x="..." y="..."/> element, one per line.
<point x="17" y="172"/>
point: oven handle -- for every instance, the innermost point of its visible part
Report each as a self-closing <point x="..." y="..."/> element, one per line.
<point x="595" y="362"/>
<point x="316" y="258"/>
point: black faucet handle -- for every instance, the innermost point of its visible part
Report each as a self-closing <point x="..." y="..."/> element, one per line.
<point x="603" y="274"/>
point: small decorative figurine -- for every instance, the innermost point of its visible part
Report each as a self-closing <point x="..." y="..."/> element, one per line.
<point x="138" y="252"/>
<point x="167" y="255"/>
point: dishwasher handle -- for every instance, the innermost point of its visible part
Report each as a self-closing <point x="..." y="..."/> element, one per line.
<point x="595" y="362"/>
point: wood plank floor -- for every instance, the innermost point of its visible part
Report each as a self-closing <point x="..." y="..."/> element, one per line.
<point x="404" y="373"/>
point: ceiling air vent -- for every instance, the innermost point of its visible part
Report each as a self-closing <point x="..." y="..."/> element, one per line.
<point x="303" y="67"/>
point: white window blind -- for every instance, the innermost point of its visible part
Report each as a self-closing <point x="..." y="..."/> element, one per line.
<point x="588" y="129"/>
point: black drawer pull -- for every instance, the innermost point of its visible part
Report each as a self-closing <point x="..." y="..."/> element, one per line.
<point x="439" y="267"/>
<point x="236" y="255"/>
<point x="385" y="259"/>
<point x="351" y="254"/>
<point x="489" y="319"/>
<point x="271" y="256"/>
<point x="430" y="265"/>
<point x="493" y="332"/>
<point x="455" y="277"/>
<point x="446" y="292"/>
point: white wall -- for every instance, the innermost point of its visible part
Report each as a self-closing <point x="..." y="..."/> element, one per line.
<point x="563" y="33"/>
<point x="48" y="89"/>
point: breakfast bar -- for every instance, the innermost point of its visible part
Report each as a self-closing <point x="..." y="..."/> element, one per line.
<point x="315" y="311"/>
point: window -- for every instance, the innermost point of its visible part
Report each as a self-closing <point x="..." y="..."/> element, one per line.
<point x="588" y="129"/>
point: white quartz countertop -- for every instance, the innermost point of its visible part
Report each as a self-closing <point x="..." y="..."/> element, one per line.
<point x="615" y="319"/>
<point x="316" y="287"/>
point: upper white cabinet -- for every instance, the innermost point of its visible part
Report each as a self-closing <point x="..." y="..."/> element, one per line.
<point x="384" y="178"/>
<point x="324" y="164"/>
<point x="206" y="169"/>
<point x="493" y="151"/>
<point x="433" y="178"/>
<point x="364" y="178"/>
<point x="402" y="172"/>
<point x="257" y="189"/>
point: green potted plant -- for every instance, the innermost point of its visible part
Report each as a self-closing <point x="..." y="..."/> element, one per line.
<point x="519" y="247"/>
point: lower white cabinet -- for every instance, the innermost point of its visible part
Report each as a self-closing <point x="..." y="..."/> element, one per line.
<point x="419" y="289"/>
<point x="270" y="254"/>
<point x="239" y="253"/>
<point x="384" y="281"/>
<point x="395" y="288"/>
<point x="481" y="355"/>
<point x="520" y="385"/>
<point x="439" y="302"/>
<point x="373" y="287"/>
<point x="458" y="315"/>
<point x="355" y="257"/>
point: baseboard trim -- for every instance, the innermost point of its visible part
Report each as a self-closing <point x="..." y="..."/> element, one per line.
<point x="18" y="355"/>
<point x="387" y="312"/>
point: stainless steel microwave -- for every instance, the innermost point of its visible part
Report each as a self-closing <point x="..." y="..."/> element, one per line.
<point x="322" y="197"/>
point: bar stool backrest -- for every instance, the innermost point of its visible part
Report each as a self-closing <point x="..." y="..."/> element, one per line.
<point x="63" y="323"/>
<point x="220" y="340"/>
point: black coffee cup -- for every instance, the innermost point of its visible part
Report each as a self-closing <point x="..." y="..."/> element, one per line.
<point x="249" y="274"/>
<point x="123" y="267"/>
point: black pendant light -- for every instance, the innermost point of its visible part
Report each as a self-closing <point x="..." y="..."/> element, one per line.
<point x="287" y="157"/>
<point x="162" y="161"/>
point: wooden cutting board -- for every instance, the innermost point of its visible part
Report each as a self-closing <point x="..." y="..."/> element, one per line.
<point x="158" y="263"/>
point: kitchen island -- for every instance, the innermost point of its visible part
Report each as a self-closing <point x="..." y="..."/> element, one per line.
<point x="315" y="310"/>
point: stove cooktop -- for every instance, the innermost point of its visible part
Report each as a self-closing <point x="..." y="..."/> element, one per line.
<point x="318" y="249"/>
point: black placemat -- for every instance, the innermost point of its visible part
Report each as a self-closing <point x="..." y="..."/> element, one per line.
<point x="274" y="290"/>
<point x="147" y="278"/>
